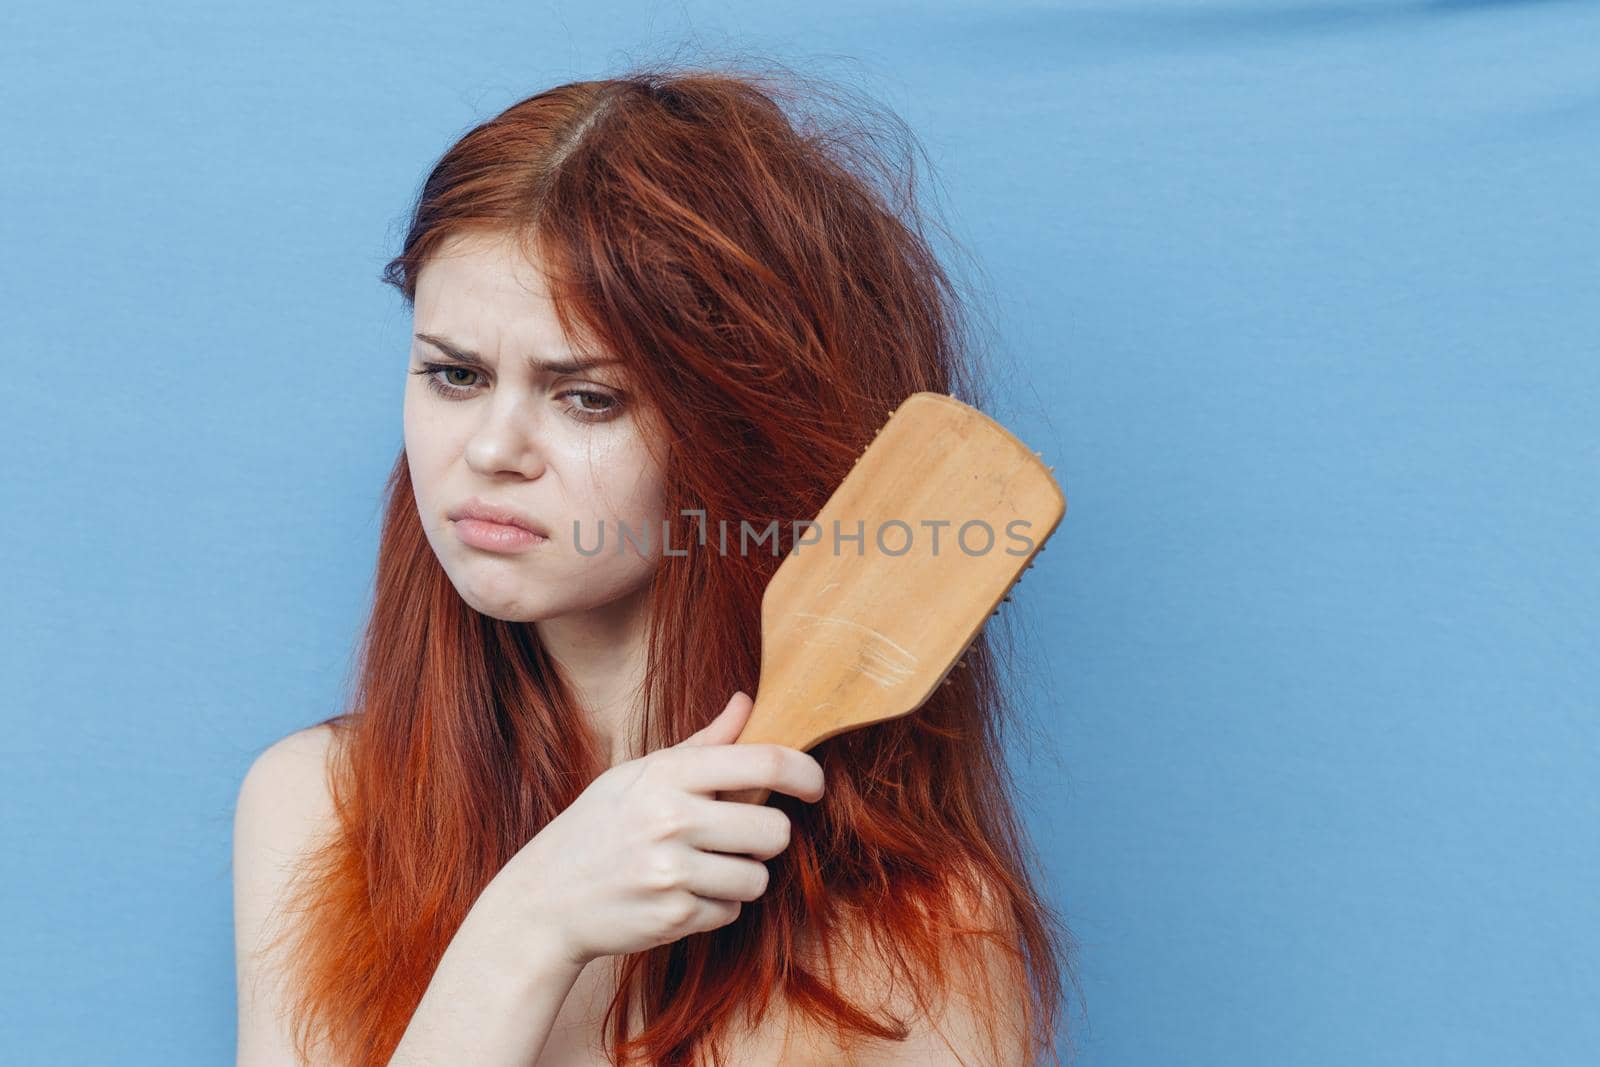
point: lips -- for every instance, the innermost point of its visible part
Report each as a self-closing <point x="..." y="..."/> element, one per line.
<point x="506" y="516"/>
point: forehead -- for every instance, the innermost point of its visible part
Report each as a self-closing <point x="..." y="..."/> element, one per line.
<point x="482" y="289"/>
<point x="486" y="262"/>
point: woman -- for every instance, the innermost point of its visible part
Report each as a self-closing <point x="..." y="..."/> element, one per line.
<point x="640" y="305"/>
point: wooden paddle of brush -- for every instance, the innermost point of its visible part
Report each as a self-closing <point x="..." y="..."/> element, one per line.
<point x="857" y="632"/>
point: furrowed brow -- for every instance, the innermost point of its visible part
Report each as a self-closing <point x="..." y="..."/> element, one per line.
<point x="565" y="366"/>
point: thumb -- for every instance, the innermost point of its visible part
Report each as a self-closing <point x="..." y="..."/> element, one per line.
<point x="726" y="727"/>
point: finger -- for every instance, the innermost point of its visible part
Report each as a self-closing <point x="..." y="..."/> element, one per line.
<point x="711" y="914"/>
<point x="729" y="767"/>
<point x="725" y="728"/>
<point x="720" y="826"/>
<point x="747" y="797"/>
<point x="721" y="877"/>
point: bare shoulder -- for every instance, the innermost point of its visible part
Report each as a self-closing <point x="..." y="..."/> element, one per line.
<point x="283" y="808"/>
<point x="285" y="792"/>
<point x="284" y="802"/>
<point x="301" y="751"/>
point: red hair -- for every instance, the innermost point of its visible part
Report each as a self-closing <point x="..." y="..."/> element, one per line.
<point x="769" y="286"/>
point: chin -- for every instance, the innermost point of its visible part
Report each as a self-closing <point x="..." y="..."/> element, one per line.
<point x="533" y="601"/>
<point x="510" y="608"/>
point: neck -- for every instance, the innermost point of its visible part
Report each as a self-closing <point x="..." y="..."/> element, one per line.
<point x="601" y="656"/>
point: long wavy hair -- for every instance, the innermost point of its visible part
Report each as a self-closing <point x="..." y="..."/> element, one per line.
<point x="766" y="276"/>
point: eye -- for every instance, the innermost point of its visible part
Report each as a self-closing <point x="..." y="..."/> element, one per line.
<point x="587" y="414"/>
<point x="432" y="372"/>
<point x="596" y="406"/>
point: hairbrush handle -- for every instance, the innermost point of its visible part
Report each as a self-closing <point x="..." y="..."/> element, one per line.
<point x="851" y="636"/>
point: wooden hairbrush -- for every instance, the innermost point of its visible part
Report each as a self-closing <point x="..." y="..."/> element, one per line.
<point x="855" y="632"/>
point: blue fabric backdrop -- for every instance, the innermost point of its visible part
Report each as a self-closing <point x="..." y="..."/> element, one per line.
<point x="1299" y="298"/>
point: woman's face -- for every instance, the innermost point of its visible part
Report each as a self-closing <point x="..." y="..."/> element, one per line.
<point x="560" y="446"/>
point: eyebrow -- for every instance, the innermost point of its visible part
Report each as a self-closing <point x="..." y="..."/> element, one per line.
<point x="572" y="366"/>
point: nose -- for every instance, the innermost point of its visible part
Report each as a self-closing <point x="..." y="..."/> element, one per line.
<point x="508" y="439"/>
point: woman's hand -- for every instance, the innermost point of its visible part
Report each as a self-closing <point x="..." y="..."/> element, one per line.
<point x="647" y="854"/>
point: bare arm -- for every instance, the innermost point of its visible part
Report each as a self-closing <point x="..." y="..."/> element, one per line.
<point x="647" y="855"/>
<point x="283" y="802"/>
<point x="489" y="1002"/>
<point x="495" y="994"/>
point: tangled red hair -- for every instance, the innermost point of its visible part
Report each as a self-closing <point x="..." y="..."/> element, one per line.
<point x="767" y="280"/>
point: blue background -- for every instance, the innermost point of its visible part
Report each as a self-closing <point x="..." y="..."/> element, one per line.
<point x="1300" y="299"/>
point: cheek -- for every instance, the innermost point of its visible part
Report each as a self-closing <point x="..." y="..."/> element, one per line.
<point x="623" y="485"/>
<point x="412" y="433"/>
<point x="427" y="441"/>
